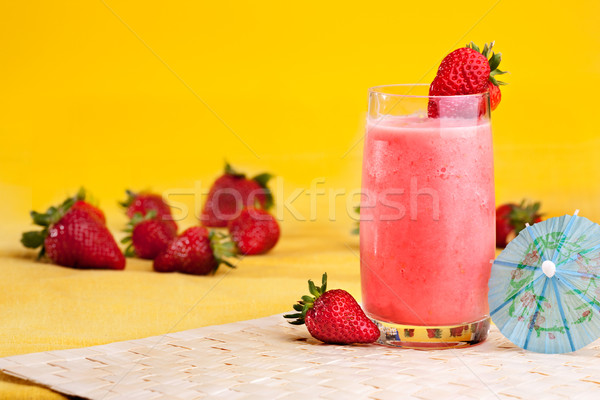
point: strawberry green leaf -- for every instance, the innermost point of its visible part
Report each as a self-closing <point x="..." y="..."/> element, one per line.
<point x="307" y="302"/>
<point x="230" y="171"/>
<point x="495" y="61"/>
<point x="268" y="199"/>
<point x="130" y="251"/>
<point x="130" y="199"/>
<point x="524" y="213"/>
<point x="40" y="219"/>
<point x="473" y="46"/>
<point x="139" y="217"/>
<point x="313" y="289"/>
<point x="64" y="207"/>
<point x="80" y="194"/>
<point x="307" y="299"/>
<point x="486" y="50"/>
<point x="356" y="230"/>
<point x="33" y="239"/>
<point x="496" y="82"/>
<point x="229" y="264"/>
<point x="262" y="180"/>
<point x="223" y="248"/>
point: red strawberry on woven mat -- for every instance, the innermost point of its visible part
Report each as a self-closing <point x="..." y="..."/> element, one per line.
<point x="148" y="236"/>
<point x="462" y="72"/>
<point x="255" y="231"/>
<point x="333" y="316"/>
<point x="511" y="219"/>
<point x="231" y="192"/>
<point x="196" y="251"/>
<point x="75" y="236"/>
<point x="143" y="202"/>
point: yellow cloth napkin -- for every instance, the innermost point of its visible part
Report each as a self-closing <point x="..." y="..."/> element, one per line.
<point x="47" y="307"/>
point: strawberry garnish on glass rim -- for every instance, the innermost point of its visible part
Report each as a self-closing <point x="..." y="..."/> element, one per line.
<point x="467" y="70"/>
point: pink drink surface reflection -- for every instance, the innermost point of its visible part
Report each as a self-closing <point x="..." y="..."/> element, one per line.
<point x="427" y="221"/>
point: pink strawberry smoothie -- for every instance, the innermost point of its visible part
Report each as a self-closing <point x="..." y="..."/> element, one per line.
<point x="427" y="220"/>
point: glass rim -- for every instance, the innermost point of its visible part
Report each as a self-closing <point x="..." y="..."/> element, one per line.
<point x="378" y="90"/>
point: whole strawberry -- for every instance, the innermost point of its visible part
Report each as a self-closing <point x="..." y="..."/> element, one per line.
<point x="465" y="71"/>
<point x="333" y="316"/>
<point x="511" y="219"/>
<point x="144" y="202"/>
<point x="148" y="236"/>
<point x="231" y="192"/>
<point x="196" y="251"/>
<point x="255" y="231"/>
<point x="74" y="237"/>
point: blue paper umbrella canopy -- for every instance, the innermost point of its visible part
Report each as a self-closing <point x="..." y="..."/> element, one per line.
<point x="545" y="286"/>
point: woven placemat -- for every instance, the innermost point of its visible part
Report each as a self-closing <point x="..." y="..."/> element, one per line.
<point x="269" y="358"/>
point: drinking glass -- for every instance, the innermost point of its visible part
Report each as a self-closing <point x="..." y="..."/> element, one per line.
<point x="427" y="217"/>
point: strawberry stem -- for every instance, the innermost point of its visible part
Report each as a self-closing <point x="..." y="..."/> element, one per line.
<point x="230" y="171"/>
<point x="494" y="61"/>
<point x="307" y="302"/>
<point x="524" y="213"/>
<point x="129" y="200"/>
<point x="223" y="248"/>
<point x="262" y="180"/>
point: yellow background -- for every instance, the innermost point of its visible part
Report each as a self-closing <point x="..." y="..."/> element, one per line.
<point x="114" y="94"/>
<point x="141" y="94"/>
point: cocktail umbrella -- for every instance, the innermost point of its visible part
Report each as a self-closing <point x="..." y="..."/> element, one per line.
<point x="545" y="286"/>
